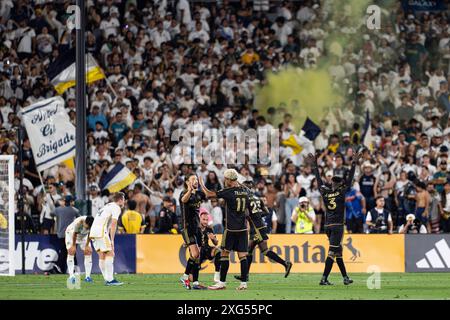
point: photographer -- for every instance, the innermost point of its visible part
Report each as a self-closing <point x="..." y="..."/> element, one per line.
<point x="303" y="216"/>
<point x="379" y="220"/>
<point x="412" y="225"/>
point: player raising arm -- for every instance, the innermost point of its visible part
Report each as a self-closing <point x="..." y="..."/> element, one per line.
<point x="235" y="236"/>
<point x="102" y="233"/>
<point x="190" y="200"/>
<point x="334" y="199"/>
<point x="78" y="233"/>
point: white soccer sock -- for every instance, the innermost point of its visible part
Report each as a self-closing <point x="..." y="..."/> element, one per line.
<point x="70" y="265"/>
<point x="88" y="265"/>
<point x="101" y="264"/>
<point x="185" y="276"/>
<point x="109" y="269"/>
<point x="217" y="276"/>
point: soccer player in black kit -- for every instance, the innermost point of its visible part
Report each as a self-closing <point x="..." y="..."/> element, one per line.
<point x="207" y="252"/>
<point x="258" y="231"/>
<point x="235" y="236"/>
<point x="190" y="200"/>
<point x="334" y="198"/>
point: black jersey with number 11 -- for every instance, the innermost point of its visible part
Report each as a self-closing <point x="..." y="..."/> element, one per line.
<point x="236" y="205"/>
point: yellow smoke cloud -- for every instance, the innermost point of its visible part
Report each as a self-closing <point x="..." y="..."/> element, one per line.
<point x="314" y="88"/>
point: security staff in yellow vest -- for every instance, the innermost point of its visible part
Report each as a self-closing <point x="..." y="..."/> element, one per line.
<point x="303" y="216"/>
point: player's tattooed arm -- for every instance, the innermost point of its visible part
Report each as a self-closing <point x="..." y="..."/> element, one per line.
<point x="208" y="193"/>
<point x="357" y="156"/>
<point x="187" y="195"/>
<point x="312" y="161"/>
<point x="213" y="238"/>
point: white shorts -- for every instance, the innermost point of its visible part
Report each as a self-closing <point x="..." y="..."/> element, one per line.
<point x="102" y="244"/>
<point x="82" y="242"/>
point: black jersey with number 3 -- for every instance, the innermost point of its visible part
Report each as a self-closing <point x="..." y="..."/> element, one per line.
<point x="334" y="200"/>
<point x="236" y="205"/>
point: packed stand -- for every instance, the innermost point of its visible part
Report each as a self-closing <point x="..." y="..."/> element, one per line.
<point x="174" y="64"/>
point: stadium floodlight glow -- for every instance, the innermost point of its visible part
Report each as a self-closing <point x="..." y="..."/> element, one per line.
<point x="7" y="241"/>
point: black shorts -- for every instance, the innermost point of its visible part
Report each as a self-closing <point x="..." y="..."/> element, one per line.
<point x="235" y="241"/>
<point x="335" y="235"/>
<point x="189" y="237"/>
<point x="262" y="232"/>
<point x="206" y="253"/>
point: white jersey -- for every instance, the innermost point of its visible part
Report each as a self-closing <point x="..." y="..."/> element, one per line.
<point x="102" y="221"/>
<point x="77" y="226"/>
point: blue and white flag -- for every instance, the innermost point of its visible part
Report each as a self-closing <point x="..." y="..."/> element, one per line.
<point x="51" y="134"/>
<point x="117" y="178"/>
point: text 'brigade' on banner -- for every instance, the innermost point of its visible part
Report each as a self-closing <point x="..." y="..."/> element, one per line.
<point x="166" y="254"/>
<point x="51" y="134"/>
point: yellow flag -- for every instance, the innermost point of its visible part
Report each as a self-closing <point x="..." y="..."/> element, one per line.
<point x="69" y="163"/>
<point x="293" y="143"/>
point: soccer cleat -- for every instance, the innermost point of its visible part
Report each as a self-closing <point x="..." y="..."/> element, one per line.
<point x="325" y="282"/>
<point x="347" y="281"/>
<point x="114" y="282"/>
<point x="218" y="286"/>
<point x="88" y="279"/>
<point x="242" y="286"/>
<point x="72" y="279"/>
<point x="199" y="286"/>
<point x="187" y="284"/>
<point x="288" y="269"/>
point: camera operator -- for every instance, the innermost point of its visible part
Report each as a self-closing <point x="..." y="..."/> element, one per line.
<point x="379" y="220"/>
<point x="303" y="216"/>
<point x="412" y="225"/>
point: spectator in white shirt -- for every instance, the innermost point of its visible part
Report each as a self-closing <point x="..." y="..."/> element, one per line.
<point x="199" y="33"/>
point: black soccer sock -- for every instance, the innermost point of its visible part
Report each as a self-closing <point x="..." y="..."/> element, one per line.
<point x="328" y="266"/>
<point x="195" y="270"/>
<point x="273" y="256"/>
<point x="340" y="263"/>
<point x="249" y="261"/>
<point x="217" y="262"/>
<point x="189" y="266"/>
<point x="224" y="265"/>
<point x="244" y="268"/>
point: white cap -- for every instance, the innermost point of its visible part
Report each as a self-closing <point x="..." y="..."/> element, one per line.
<point x="303" y="199"/>
<point x="230" y="174"/>
<point x="410" y="217"/>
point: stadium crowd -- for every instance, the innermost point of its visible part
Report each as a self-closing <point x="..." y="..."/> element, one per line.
<point x="174" y="64"/>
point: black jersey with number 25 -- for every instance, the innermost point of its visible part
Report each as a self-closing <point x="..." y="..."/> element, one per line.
<point x="236" y="205"/>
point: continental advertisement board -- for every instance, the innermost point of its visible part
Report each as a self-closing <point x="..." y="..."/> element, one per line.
<point x="166" y="254"/>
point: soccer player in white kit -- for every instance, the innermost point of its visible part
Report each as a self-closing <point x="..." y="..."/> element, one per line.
<point x="78" y="233"/>
<point x="102" y="234"/>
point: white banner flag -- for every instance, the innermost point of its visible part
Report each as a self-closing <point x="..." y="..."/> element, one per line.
<point x="51" y="134"/>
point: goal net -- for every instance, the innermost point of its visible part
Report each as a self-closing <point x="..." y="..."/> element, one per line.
<point x="7" y="216"/>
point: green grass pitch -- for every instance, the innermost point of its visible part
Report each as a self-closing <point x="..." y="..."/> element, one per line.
<point x="261" y="286"/>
